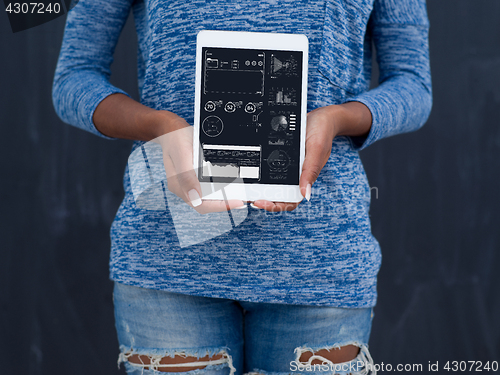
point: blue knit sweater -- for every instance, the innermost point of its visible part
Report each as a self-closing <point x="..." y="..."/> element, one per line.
<point x="322" y="253"/>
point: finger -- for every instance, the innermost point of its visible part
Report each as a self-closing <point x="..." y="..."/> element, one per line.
<point x="315" y="160"/>
<point x="169" y="167"/>
<point x="180" y="149"/>
<point x="206" y="206"/>
<point x="185" y="185"/>
<point x="190" y="187"/>
<point x="178" y="162"/>
<point x="177" y="147"/>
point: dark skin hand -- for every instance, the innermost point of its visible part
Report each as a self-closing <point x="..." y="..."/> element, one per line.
<point x="323" y="125"/>
<point x="119" y="116"/>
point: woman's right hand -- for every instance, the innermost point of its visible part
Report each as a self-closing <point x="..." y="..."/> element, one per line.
<point x="119" y="116"/>
<point x="177" y="147"/>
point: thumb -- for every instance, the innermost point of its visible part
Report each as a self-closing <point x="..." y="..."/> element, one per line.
<point x="184" y="184"/>
<point x="313" y="163"/>
<point x="190" y="186"/>
<point x="178" y="157"/>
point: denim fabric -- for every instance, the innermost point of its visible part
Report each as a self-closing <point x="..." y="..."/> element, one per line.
<point x="258" y="337"/>
<point x="322" y="253"/>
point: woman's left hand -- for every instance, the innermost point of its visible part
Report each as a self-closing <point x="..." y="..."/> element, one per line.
<point x="323" y="125"/>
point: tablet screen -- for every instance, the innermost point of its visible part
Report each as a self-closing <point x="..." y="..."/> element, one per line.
<point x="250" y="116"/>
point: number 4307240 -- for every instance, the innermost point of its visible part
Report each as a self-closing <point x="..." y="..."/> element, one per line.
<point x="471" y="366"/>
<point x="33" y="8"/>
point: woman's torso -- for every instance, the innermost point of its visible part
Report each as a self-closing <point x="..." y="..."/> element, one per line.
<point x="323" y="252"/>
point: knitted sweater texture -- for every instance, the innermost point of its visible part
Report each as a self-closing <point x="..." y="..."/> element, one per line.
<point x="323" y="252"/>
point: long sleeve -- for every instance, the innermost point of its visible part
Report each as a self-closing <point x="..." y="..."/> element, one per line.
<point x="402" y="102"/>
<point x="81" y="79"/>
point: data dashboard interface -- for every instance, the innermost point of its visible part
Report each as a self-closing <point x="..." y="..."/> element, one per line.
<point x="250" y="115"/>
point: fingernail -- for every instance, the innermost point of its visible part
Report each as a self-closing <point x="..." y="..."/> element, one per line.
<point x="194" y="197"/>
<point x="308" y="192"/>
<point x="254" y="206"/>
<point x="241" y="207"/>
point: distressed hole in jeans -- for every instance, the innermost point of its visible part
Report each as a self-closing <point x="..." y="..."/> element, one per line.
<point x="180" y="362"/>
<point x="360" y="364"/>
<point x="334" y="355"/>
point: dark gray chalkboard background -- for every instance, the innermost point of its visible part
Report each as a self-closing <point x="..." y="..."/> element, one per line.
<point x="436" y="215"/>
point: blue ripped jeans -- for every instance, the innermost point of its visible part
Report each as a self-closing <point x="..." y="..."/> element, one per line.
<point x="261" y="338"/>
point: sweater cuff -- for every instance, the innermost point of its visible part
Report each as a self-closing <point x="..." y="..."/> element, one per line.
<point x="91" y="105"/>
<point x="360" y="142"/>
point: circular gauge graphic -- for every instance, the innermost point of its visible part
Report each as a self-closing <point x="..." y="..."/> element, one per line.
<point x="250" y="108"/>
<point x="279" y="123"/>
<point x="210" y="106"/>
<point x="278" y="159"/>
<point x="212" y="126"/>
<point x="230" y="107"/>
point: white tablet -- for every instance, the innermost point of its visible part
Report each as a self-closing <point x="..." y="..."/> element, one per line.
<point x="250" y="115"/>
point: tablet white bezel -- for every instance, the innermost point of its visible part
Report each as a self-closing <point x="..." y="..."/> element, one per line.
<point x="259" y="41"/>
